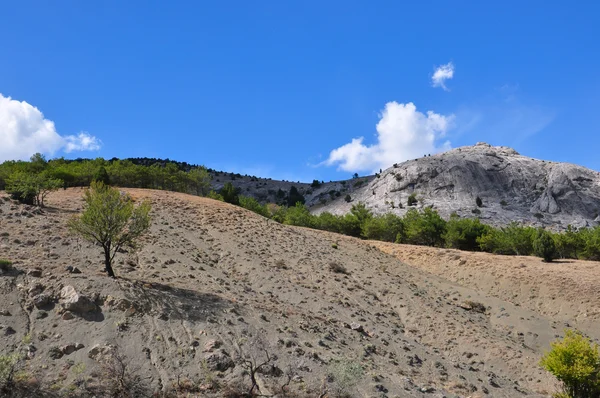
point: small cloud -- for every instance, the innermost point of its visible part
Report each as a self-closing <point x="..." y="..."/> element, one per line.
<point x="24" y="131"/>
<point x="81" y="142"/>
<point x="441" y="74"/>
<point x="402" y="133"/>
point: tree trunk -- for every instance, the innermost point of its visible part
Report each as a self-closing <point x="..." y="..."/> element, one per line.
<point x="107" y="264"/>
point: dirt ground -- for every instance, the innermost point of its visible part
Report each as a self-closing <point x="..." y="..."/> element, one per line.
<point x="212" y="283"/>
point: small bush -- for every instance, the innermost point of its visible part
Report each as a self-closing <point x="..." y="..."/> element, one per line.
<point x="476" y="211"/>
<point x="348" y="198"/>
<point x="334" y="245"/>
<point x="544" y="246"/>
<point x="503" y="203"/>
<point x="344" y="376"/>
<point x="474" y="306"/>
<point x="412" y="199"/>
<point x="338" y="268"/>
<point x="5" y="265"/>
<point x="575" y="361"/>
<point x="478" y="202"/>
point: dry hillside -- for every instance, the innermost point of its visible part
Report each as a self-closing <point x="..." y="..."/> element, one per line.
<point x="212" y="282"/>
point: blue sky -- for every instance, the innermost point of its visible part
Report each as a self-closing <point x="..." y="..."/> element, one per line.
<point x="282" y="88"/>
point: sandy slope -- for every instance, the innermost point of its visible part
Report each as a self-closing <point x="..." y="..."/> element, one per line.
<point x="210" y="271"/>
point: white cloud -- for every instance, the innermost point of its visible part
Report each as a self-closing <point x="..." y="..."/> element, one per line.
<point x="402" y="133"/>
<point x="81" y="142"/>
<point x="441" y="74"/>
<point x="24" y="131"/>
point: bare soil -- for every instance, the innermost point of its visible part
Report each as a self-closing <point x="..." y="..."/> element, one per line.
<point x="213" y="282"/>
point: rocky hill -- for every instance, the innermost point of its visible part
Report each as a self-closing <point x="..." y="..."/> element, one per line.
<point x="511" y="188"/>
<point x="214" y="285"/>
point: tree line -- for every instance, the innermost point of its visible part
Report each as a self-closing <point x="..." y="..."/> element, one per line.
<point x="426" y="227"/>
<point x="31" y="181"/>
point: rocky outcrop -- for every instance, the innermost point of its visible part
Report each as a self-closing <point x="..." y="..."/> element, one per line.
<point x="512" y="188"/>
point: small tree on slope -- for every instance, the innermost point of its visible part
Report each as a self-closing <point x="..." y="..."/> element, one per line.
<point x="111" y="220"/>
<point x="544" y="247"/>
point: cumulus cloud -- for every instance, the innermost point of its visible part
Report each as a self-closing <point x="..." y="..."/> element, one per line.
<point x="81" y="142"/>
<point x="24" y="131"/>
<point x="402" y="133"/>
<point x="441" y="74"/>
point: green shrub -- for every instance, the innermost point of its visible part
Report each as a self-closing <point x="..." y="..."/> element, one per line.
<point x="348" y="198"/>
<point x="215" y="196"/>
<point x="102" y="176"/>
<point x="543" y="246"/>
<point x="230" y="194"/>
<point x="252" y="204"/>
<point x="345" y="375"/>
<point x="575" y="361"/>
<point x="412" y="199"/>
<point x="424" y="228"/>
<point x="5" y="265"/>
<point x="300" y="216"/>
<point x="478" y="201"/>
<point x="462" y="233"/>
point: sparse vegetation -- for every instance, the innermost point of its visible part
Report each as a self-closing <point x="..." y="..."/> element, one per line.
<point x="5" y="265"/>
<point x="478" y="202"/>
<point x="338" y="268"/>
<point x="110" y="220"/>
<point x="344" y="376"/>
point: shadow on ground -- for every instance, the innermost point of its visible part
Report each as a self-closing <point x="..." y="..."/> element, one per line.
<point x="175" y="303"/>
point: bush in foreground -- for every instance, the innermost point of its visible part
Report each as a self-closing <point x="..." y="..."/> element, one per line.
<point x="575" y="361"/>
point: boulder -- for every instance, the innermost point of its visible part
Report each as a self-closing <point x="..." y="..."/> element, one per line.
<point x="219" y="361"/>
<point x="76" y="302"/>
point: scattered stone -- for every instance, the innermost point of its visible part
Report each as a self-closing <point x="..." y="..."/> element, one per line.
<point x="7" y="330"/>
<point x="41" y="300"/>
<point x="67" y="316"/>
<point x="98" y="352"/>
<point x="75" y="302"/>
<point x="35" y="273"/>
<point x="357" y="327"/>
<point x="219" y="361"/>
<point x="5" y="313"/>
<point x="55" y="353"/>
<point x="41" y="315"/>
<point x="68" y="349"/>
<point x="35" y="289"/>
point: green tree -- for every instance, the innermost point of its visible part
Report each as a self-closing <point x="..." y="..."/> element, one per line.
<point x="543" y="246"/>
<point x="424" y="228"/>
<point x="386" y="228"/>
<point x="252" y="204"/>
<point x="294" y="197"/>
<point x="569" y="244"/>
<point x="199" y="180"/>
<point x="360" y="211"/>
<point x="102" y="176"/>
<point x="111" y="220"/>
<point x="300" y="216"/>
<point x="31" y="188"/>
<point x="591" y="243"/>
<point x="462" y="233"/>
<point x="575" y="361"/>
<point x="230" y="194"/>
